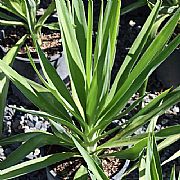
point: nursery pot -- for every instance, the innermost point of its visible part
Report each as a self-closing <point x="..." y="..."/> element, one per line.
<point x="169" y="71"/>
<point x="23" y="66"/>
<point x="52" y="175"/>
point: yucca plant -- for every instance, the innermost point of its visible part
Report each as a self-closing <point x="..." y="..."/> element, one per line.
<point x="24" y="13"/>
<point x="79" y="118"/>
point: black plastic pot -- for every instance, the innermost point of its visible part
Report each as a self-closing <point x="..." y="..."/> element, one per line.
<point x="169" y="71"/>
<point x="51" y="174"/>
<point x="23" y="67"/>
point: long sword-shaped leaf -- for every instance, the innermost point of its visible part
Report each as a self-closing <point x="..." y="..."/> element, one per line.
<point x="152" y="105"/>
<point x="52" y="118"/>
<point x="89" y="44"/>
<point x="35" y="93"/>
<point x="133" y="6"/>
<point x="131" y="153"/>
<point x="7" y="17"/>
<point x="81" y="174"/>
<point x="168" y="141"/>
<point x="78" y="83"/>
<point x="52" y="91"/>
<point x="65" y="22"/>
<point x="4" y="82"/>
<point x="134" y="52"/>
<point x="33" y="165"/>
<point x="174" y="156"/>
<point x="55" y="107"/>
<point x="55" y="84"/>
<point x="81" y="27"/>
<point x="146" y="71"/>
<point x="45" y="16"/>
<point x="131" y="107"/>
<point x="21" y="137"/>
<point x="144" y="118"/>
<point x="73" y="54"/>
<point x="154" y="49"/>
<point x="11" y="23"/>
<point x="92" y="166"/>
<point x="153" y="167"/>
<point x="163" y="133"/>
<point x="16" y="7"/>
<point x="173" y="173"/>
<point x="105" y="58"/>
<point x="142" y="166"/>
<point x="30" y="145"/>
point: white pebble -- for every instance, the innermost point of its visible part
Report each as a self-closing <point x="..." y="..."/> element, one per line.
<point x="132" y="23"/>
<point x="37" y="152"/>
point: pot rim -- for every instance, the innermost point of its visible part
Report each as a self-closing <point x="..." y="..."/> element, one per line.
<point x="52" y="175"/>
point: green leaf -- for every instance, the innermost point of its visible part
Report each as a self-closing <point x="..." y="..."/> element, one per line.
<point x="78" y="83"/>
<point x="60" y="106"/>
<point x="30" y="7"/>
<point x="173" y="173"/>
<point x="55" y="84"/>
<point x="142" y="116"/>
<point x="131" y="107"/>
<point x="54" y="106"/>
<point x="168" y="141"/>
<point x="92" y="166"/>
<point x="80" y="26"/>
<point x="44" y="17"/>
<point x="174" y="156"/>
<point x="67" y="27"/>
<point x="21" y="137"/>
<point x="4" y="82"/>
<point x="89" y="44"/>
<point x="11" y="23"/>
<point x="142" y="166"/>
<point x="30" y="145"/>
<point x="72" y="52"/>
<point x="153" y="166"/>
<point x="171" y="130"/>
<point x="131" y="153"/>
<point x="53" y="118"/>
<point x="134" y="52"/>
<point x="163" y="133"/>
<point x="61" y="133"/>
<point x="81" y="174"/>
<point x="17" y="7"/>
<point x="52" y="26"/>
<point x="133" y="6"/>
<point x="103" y="58"/>
<point x="7" y="17"/>
<point x="37" y="94"/>
<point x="33" y="165"/>
<point x="144" y="66"/>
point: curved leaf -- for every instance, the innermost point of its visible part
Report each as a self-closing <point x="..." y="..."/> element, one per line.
<point x="33" y="165"/>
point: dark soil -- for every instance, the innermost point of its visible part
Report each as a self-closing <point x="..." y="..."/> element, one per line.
<point x="51" y="41"/>
<point x="66" y="170"/>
